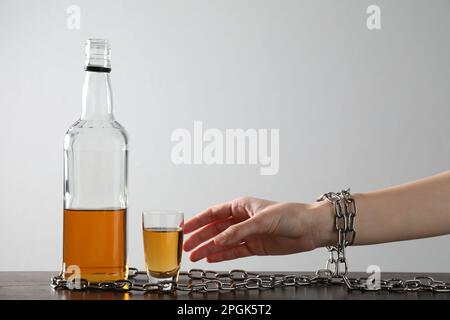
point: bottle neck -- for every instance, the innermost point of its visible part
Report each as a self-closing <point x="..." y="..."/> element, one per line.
<point x="97" y="101"/>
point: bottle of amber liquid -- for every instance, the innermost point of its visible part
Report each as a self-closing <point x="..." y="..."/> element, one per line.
<point x="95" y="179"/>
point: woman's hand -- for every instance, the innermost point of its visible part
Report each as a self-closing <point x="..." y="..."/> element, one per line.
<point x="249" y="226"/>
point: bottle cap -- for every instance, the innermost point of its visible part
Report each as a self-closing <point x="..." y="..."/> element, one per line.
<point x="98" y="55"/>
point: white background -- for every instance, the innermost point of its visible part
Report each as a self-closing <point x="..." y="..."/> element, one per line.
<point x="358" y="108"/>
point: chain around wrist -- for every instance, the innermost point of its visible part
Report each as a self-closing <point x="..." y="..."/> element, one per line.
<point x="344" y="208"/>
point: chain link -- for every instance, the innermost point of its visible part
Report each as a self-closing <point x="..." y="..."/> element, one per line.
<point x="198" y="280"/>
<point x="345" y="212"/>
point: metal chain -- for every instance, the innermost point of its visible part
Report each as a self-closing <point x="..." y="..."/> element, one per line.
<point x="335" y="273"/>
<point x="345" y="212"/>
<point x="199" y="280"/>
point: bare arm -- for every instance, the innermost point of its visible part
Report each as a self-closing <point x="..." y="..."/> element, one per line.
<point x="249" y="226"/>
<point x="413" y="210"/>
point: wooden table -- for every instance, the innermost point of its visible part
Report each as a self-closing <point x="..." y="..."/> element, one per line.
<point x="35" y="285"/>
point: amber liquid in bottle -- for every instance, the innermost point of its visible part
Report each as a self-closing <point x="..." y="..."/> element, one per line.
<point x="95" y="241"/>
<point x="162" y="248"/>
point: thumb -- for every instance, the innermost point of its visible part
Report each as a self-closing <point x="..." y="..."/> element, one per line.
<point x="236" y="233"/>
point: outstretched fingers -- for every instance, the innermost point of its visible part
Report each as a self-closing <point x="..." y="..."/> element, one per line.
<point x="230" y="237"/>
<point x="218" y="212"/>
<point x="238" y="232"/>
<point x="207" y="233"/>
<point x="205" y="250"/>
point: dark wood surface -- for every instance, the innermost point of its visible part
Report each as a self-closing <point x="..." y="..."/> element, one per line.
<point x="35" y="285"/>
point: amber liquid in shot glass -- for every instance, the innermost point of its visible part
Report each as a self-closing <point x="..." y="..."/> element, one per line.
<point x="163" y="241"/>
<point x="162" y="248"/>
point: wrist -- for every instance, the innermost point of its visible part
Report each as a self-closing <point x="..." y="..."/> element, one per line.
<point x="323" y="226"/>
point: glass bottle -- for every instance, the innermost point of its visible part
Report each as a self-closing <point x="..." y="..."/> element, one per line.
<point x="95" y="179"/>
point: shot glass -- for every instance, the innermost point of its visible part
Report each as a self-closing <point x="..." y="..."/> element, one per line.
<point x="163" y="241"/>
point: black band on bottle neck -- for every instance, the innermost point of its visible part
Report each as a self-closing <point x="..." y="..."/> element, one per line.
<point x="97" y="69"/>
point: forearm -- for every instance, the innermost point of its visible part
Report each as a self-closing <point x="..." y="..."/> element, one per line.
<point x="414" y="210"/>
